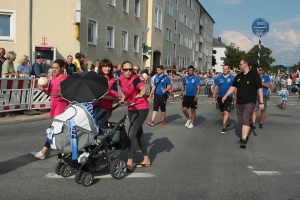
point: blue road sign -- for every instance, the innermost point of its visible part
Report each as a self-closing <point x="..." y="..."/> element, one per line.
<point x="260" y="27"/>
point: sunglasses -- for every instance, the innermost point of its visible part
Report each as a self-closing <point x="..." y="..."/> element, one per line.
<point x="129" y="69"/>
<point x="260" y="70"/>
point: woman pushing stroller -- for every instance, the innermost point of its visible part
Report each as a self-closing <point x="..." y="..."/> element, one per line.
<point x="134" y="91"/>
<point x="105" y="69"/>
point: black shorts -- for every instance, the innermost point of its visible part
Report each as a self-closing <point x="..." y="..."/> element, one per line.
<point x="226" y="105"/>
<point x="160" y="101"/>
<point x="188" y="102"/>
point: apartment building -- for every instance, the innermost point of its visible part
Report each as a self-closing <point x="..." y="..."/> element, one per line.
<point x="98" y="29"/>
<point x="181" y="33"/>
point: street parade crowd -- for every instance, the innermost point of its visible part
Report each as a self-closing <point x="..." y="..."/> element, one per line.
<point x="248" y="91"/>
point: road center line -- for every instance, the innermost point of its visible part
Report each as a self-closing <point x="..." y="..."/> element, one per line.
<point x="267" y="173"/>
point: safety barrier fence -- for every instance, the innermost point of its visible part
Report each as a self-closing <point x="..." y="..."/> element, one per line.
<point x="20" y="94"/>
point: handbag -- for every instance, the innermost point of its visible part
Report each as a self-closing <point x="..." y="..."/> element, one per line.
<point x="119" y="137"/>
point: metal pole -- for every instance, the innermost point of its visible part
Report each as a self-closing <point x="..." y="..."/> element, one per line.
<point x="141" y="67"/>
<point x="30" y="32"/>
<point x="259" y="49"/>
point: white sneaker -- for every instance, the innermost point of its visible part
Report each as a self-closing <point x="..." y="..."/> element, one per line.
<point x="38" y="155"/>
<point x="190" y="125"/>
<point x="187" y="122"/>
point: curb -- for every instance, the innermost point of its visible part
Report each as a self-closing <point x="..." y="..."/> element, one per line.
<point x="24" y="119"/>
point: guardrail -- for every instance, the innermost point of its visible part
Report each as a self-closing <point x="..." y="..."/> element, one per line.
<point x="17" y="94"/>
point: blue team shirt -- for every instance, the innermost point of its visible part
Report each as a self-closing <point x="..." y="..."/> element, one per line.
<point x="224" y="84"/>
<point x="191" y="85"/>
<point x="162" y="85"/>
<point x="265" y="79"/>
<point x="284" y="95"/>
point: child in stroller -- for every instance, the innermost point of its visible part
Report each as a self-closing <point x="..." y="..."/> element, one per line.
<point x="78" y="129"/>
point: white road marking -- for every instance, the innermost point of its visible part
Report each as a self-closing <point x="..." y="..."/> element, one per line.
<point x="97" y="175"/>
<point x="250" y="167"/>
<point x="173" y="102"/>
<point x="267" y="173"/>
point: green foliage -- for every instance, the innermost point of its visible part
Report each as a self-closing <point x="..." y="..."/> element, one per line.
<point x="233" y="56"/>
<point x="296" y="66"/>
<point x="266" y="59"/>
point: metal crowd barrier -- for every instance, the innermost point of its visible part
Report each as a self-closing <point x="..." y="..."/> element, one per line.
<point x="17" y="94"/>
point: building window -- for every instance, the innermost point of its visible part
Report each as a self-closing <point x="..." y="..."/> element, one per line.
<point x="192" y="4"/>
<point x="124" y="40"/>
<point x="169" y="34"/>
<point x="191" y="24"/>
<point x="137" y="6"/>
<point x="176" y="6"/>
<point x="7" y="25"/>
<point x="136" y="43"/>
<point x="168" y="59"/>
<point x="110" y="37"/>
<point x="111" y="2"/>
<point x="92" y="32"/>
<point x="158" y="18"/>
<point x="170" y="8"/>
<point x="125" y="6"/>
<point x="180" y="39"/>
<point x="175" y="26"/>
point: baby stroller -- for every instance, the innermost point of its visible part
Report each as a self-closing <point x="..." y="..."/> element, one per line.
<point x="97" y="151"/>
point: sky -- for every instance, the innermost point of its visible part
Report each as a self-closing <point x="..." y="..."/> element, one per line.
<point x="234" y="18"/>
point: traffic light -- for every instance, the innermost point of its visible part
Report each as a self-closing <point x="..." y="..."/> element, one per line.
<point x="146" y="51"/>
<point x="145" y="57"/>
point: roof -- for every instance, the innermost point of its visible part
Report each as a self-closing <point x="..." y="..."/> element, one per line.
<point x="218" y="43"/>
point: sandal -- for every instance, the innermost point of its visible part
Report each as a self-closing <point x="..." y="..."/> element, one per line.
<point x="143" y="165"/>
<point x="130" y="169"/>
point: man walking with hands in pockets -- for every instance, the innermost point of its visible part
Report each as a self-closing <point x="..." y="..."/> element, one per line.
<point x="189" y="94"/>
<point x="247" y="83"/>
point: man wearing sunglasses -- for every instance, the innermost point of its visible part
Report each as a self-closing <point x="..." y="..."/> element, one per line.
<point x="265" y="80"/>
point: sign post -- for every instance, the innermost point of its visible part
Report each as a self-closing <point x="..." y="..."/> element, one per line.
<point x="260" y="28"/>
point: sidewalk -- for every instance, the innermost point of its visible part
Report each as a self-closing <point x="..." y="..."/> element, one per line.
<point x="19" y="118"/>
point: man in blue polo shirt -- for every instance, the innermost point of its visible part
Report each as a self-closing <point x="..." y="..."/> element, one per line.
<point x="37" y="68"/>
<point x="223" y="83"/>
<point x="162" y="84"/>
<point x="189" y="94"/>
<point x="265" y="80"/>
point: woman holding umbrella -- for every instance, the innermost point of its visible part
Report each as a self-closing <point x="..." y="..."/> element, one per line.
<point x="134" y="91"/>
<point x="57" y="103"/>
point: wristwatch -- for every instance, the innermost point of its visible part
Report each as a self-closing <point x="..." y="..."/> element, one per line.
<point x="197" y="95"/>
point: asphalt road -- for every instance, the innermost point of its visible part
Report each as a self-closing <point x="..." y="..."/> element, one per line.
<point x="198" y="163"/>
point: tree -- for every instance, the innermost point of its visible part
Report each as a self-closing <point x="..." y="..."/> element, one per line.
<point x="233" y="56"/>
<point x="296" y="66"/>
<point x="266" y="59"/>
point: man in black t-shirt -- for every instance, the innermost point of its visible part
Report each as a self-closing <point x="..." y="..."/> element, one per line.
<point x="246" y="84"/>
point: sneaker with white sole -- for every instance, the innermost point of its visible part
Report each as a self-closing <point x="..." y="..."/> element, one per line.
<point x="223" y="131"/>
<point x="190" y="125"/>
<point x="38" y="155"/>
<point x="187" y="122"/>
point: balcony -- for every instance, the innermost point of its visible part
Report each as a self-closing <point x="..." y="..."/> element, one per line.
<point x="200" y="39"/>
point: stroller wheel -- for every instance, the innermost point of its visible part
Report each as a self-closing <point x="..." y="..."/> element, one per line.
<point x="57" y="167"/>
<point x="118" y="168"/>
<point x="78" y="177"/>
<point x="87" y="179"/>
<point x="65" y="170"/>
